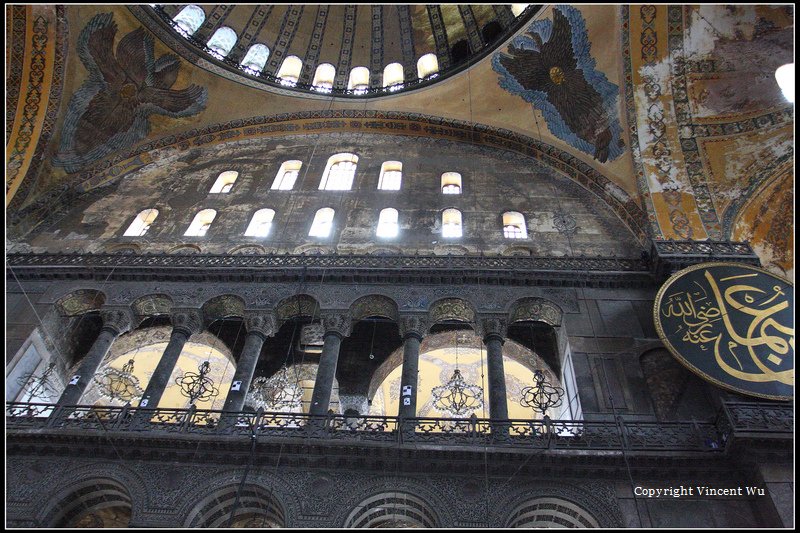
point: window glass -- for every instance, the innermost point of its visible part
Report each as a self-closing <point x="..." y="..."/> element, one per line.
<point x="260" y="223"/>
<point x="141" y="223"/>
<point x="387" y="223"/>
<point x="323" y="223"/>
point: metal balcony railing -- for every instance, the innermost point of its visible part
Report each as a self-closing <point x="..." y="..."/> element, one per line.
<point x="685" y="436"/>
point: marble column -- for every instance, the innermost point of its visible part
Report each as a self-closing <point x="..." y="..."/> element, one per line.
<point x="413" y="329"/>
<point x="337" y="326"/>
<point x="259" y="327"/>
<point x="184" y="324"/>
<point x="494" y="333"/>
<point x="115" y="322"/>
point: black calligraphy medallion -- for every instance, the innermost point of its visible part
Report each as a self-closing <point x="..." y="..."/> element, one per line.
<point x="733" y="325"/>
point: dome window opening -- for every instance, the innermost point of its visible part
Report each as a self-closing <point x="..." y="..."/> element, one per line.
<point x="224" y="182"/>
<point x="255" y="59"/>
<point x="451" y="224"/>
<point x="359" y="80"/>
<point x="260" y="224"/>
<point x="393" y="77"/>
<point x="222" y="42"/>
<point x="339" y="173"/>
<point x="323" y="223"/>
<point x="141" y="223"/>
<point x="427" y="67"/>
<point x="323" y="78"/>
<point x="289" y="72"/>
<point x="201" y="223"/>
<point x="189" y="20"/>
<point x="391" y="176"/>
<point x="784" y="75"/>
<point x="287" y="176"/>
<point x="387" y="223"/>
<point x="451" y="183"/>
<point x="517" y="9"/>
<point x="514" y="225"/>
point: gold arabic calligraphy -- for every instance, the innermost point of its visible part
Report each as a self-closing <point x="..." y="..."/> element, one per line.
<point x="707" y="319"/>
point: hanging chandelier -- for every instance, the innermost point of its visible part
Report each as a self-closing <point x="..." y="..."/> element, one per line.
<point x="457" y="397"/>
<point x="39" y="384"/>
<point x="542" y="395"/>
<point x="119" y="384"/>
<point x="197" y="386"/>
<point x="275" y="392"/>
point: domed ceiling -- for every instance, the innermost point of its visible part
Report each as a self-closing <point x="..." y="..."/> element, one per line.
<point x="250" y="43"/>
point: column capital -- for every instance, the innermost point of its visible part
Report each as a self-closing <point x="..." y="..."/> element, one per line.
<point x="262" y="323"/>
<point x="494" y="326"/>
<point x="339" y="322"/>
<point x="189" y="321"/>
<point x="413" y="325"/>
<point x="117" y="319"/>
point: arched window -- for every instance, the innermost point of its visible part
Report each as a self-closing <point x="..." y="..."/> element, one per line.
<point x="339" y="173"/>
<point x="287" y="175"/>
<point x="190" y="19"/>
<point x="260" y="224"/>
<point x="514" y="225"/>
<point x="359" y="80"/>
<point x="517" y="9"/>
<point x="255" y="59"/>
<point x="391" y="176"/>
<point x="323" y="223"/>
<point x="451" y="223"/>
<point x="202" y="221"/>
<point x="451" y="183"/>
<point x="393" y="76"/>
<point x="224" y="182"/>
<point x="290" y="69"/>
<point x="427" y="66"/>
<point x="141" y="223"/>
<point x="323" y="78"/>
<point x="222" y="42"/>
<point x="387" y="223"/>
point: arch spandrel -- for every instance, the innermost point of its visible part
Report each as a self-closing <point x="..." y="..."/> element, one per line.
<point x="374" y="305"/>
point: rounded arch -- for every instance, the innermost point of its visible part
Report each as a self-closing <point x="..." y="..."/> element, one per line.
<point x="550" y="512"/>
<point x="392" y="509"/>
<point x="451" y="309"/>
<point x="80" y="301"/>
<point x="152" y="305"/>
<point x="535" y="309"/>
<point x="223" y="306"/>
<point x="93" y="502"/>
<point x="185" y="249"/>
<point x="374" y="305"/>
<point x="300" y="305"/>
<point x="256" y="507"/>
<point x="248" y="249"/>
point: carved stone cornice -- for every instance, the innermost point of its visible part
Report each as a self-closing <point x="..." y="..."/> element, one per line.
<point x="188" y="321"/>
<point x="118" y="320"/>
<point x="413" y="325"/>
<point x="338" y="322"/>
<point x="262" y="323"/>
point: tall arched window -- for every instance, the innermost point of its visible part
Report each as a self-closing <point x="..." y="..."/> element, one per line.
<point x="222" y="42"/>
<point x="190" y="19"/>
<point x="323" y="223"/>
<point x="514" y="225"/>
<point x="290" y="69"/>
<point x="393" y="76"/>
<point x="451" y="183"/>
<point x="391" y="176"/>
<point x="255" y="58"/>
<point x="427" y="65"/>
<point x="387" y="223"/>
<point x="202" y="221"/>
<point x="224" y="182"/>
<point x="451" y="223"/>
<point x="359" y="80"/>
<point x="141" y="223"/>
<point x="287" y="175"/>
<point x="339" y="173"/>
<point x="323" y="78"/>
<point x="260" y="224"/>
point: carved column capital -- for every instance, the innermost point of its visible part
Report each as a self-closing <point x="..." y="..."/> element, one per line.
<point x="188" y="321"/>
<point x="117" y="319"/>
<point x="339" y="322"/>
<point x="263" y="323"/>
<point x="494" y="326"/>
<point x="413" y="325"/>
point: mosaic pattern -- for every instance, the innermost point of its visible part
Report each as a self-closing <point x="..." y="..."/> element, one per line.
<point x="314" y="45"/>
<point x="439" y="36"/>
<point x="291" y="20"/>
<point x="248" y="38"/>
<point x="111" y="109"/>
<point x="551" y="68"/>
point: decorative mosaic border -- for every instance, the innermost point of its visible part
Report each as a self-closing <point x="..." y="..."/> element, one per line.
<point x="16" y="46"/>
<point x="248" y="38"/>
<point x="473" y="34"/>
<point x="291" y="21"/>
<point x="376" y="48"/>
<point x="315" y="44"/>
<point x="407" y="42"/>
<point x="346" y="49"/>
<point x="439" y="36"/>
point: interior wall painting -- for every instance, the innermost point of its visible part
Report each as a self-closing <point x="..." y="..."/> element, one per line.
<point x="551" y="67"/>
